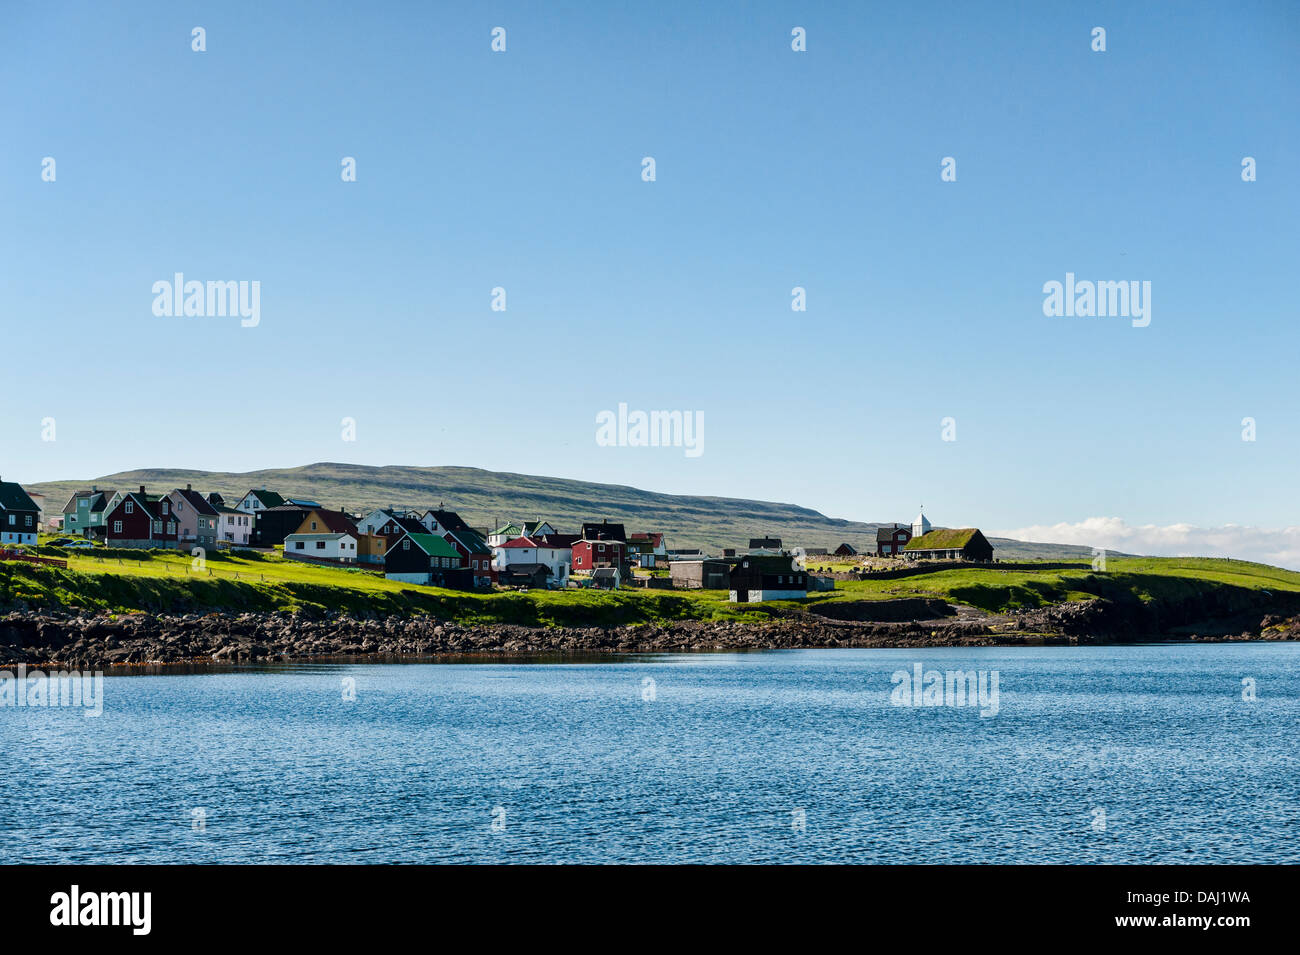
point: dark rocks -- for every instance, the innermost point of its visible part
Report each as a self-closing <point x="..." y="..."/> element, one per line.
<point x="87" y="641"/>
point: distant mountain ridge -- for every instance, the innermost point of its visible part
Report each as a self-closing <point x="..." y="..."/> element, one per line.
<point x="489" y="499"/>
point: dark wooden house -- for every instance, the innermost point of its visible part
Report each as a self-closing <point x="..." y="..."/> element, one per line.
<point x="758" y="577"/>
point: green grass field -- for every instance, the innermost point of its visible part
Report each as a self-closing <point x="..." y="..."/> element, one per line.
<point x="109" y="581"/>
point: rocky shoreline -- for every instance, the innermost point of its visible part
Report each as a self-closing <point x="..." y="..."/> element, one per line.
<point x="136" y="640"/>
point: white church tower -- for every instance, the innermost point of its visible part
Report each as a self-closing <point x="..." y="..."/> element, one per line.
<point x="920" y="525"/>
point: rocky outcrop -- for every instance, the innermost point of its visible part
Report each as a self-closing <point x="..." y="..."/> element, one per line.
<point x="88" y="641"/>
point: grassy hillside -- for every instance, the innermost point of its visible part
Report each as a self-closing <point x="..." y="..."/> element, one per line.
<point x="490" y="498"/>
<point x="163" y="581"/>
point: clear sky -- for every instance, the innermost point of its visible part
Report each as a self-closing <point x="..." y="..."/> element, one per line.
<point x="774" y="169"/>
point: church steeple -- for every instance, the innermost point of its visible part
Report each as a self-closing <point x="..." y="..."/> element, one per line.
<point x="921" y="525"/>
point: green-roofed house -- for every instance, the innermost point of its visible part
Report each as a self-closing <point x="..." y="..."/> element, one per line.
<point x="503" y="534"/>
<point x="259" y="499"/>
<point x="427" y="559"/>
<point x="950" y="543"/>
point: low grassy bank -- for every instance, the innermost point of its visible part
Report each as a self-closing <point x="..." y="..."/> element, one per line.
<point x="107" y="582"/>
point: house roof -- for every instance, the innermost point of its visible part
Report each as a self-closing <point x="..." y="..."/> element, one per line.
<point x="531" y="526"/>
<point x="764" y="542"/>
<point x="335" y="521"/>
<point x="471" y="540"/>
<point x="528" y="569"/>
<point x="268" y="498"/>
<point x="559" y="540"/>
<point x="509" y="530"/>
<point x="886" y="534"/>
<point x="450" y="520"/>
<point x="519" y="542"/>
<point x="603" y="531"/>
<point x="99" y="500"/>
<point x="316" y="537"/>
<point x="14" y="498"/>
<point x="947" y="538"/>
<point x="774" y="563"/>
<point x="196" y="501"/>
<point x="431" y="544"/>
<point x="603" y="572"/>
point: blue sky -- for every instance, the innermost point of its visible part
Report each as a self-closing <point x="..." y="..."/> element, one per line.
<point x="775" y="169"/>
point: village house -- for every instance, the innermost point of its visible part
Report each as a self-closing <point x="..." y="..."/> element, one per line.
<point x="589" y="555"/>
<point x="504" y="533"/>
<point x="234" y="527"/>
<point x="703" y="574"/>
<point x="324" y="535"/>
<point x="273" y="524"/>
<point x="846" y="550"/>
<point x="764" y="545"/>
<point x="960" y="543"/>
<point x="475" y="553"/>
<point x="525" y="550"/>
<point x="86" y="511"/>
<point x="392" y="524"/>
<point x="759" y="577"/>
<point x="420" y="558"/>
<point x="196" y="518"/>
<point x="439" y="520"/>
<point x="329" y="546"/>
<point x="531" y="576"/>
<point x="259" y="499"/>
<point x="647" y="550"/>
<point x="592" y="531"/>
<point x="141" y="519"/>
<point x="891" y="539"/>
<point x="19" y="515"/>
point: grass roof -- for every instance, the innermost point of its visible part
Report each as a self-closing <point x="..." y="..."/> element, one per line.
<point x="949" y="538"/>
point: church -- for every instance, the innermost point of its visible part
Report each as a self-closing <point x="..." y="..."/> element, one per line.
<point x="947" y="543"/>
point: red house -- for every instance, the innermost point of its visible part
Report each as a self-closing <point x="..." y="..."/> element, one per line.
<point x="588" y="555"/>
<point x="142" y="520"/>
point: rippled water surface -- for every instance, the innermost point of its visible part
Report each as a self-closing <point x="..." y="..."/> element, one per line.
<point x="1096" y="754"/>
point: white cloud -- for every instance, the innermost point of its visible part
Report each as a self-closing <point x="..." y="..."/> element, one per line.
<point x="1280" y="547"/>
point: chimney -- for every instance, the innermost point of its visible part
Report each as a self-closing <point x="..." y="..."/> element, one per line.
<point x="188" y="487"/>
<point x="142" y="490"/>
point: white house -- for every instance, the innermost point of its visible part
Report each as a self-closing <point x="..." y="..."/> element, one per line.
<point x="378" y="518"/>
<point x="525" y="550"/>
<point x="234" y="526"/>
<point x="259" y="499"/>
<point x="336" y="547"/>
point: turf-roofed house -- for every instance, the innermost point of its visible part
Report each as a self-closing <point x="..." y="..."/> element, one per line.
<point x="950" y="543"/>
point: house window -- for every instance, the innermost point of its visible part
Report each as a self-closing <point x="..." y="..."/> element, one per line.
<point x="117" y="527"/>
<point x="130" y="507"/>
<point x="171" y="527"/>
<point x="157" y="526"/>
<point x="320" y="545"/>
<point x="13" y="518"/>
<point x="164" y="507"/>
<point x="313" y="525"/>
<point x="29" y="520"/>
<point x="298" y="545"/>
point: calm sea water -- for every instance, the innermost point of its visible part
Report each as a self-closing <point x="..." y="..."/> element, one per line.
<point x="792" y="756"/>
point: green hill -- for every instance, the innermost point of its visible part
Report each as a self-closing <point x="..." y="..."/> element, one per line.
<point x="490" y="498"/>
